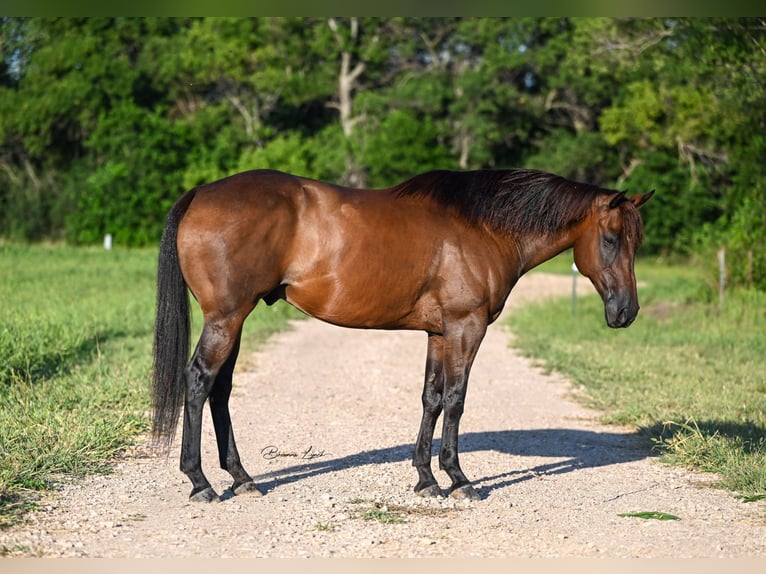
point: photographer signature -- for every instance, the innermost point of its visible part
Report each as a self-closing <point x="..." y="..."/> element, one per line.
<point x="270" y="452"/>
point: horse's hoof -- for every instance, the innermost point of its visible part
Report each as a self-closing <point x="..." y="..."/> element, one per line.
<point x="465" y="492"/>
<point x="247" y="488"/>
<point x="206" y="495"/>
<point x="432" y="491"/>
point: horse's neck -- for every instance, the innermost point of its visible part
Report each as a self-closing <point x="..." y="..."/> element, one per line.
<point x="535" y="250"/>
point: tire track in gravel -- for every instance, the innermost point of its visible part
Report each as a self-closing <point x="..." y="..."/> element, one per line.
<point x="342" y="408"/>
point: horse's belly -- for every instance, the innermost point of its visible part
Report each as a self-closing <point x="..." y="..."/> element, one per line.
<point x="370" y="306"/>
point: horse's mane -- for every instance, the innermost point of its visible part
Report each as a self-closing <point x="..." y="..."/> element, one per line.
<point x="513" y="200"/>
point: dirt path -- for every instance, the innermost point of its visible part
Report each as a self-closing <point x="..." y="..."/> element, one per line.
<point x="343" y="407"/>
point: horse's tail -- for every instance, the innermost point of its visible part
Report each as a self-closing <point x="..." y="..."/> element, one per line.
<point x="171" y="330"/>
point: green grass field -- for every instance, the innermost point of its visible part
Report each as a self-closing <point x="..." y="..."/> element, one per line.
<point x="690" y="375"/>
<point x="75" y="361"/>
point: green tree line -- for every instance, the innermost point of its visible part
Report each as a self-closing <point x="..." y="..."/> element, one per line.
<point x="104" y="122"/>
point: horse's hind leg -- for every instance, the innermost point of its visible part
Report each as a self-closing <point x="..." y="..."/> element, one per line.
<point x="224" y="434"/>
<point x="219" y="337"/>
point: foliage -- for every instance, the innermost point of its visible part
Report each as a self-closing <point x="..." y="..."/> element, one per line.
<point x="129" y="193"/>
<point x="687" y="372"/>
<point x="104" y="122"/>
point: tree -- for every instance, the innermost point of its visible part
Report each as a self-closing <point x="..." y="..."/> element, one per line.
<point x="64" y="74"/>
<point x="691" y="114"/>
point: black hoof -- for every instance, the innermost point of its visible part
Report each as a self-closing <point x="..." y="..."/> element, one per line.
<point x="247" y="488"/>
<point x="206" y="495"/>
<point x="465" y="492"/>
<point x="432" y="491"/>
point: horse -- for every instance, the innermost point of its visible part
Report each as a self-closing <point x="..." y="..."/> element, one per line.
<point x="437" y="253"/>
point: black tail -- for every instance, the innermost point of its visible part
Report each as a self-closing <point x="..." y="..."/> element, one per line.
<point x="171" y="330"/>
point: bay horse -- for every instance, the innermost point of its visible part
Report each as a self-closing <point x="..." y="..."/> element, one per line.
<point x="439" y="253"/>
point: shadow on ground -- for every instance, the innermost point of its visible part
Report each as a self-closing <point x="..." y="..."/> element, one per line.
<point x="569" y="450"/>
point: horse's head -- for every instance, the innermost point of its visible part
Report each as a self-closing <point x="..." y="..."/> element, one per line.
<point x="605" y="251"/>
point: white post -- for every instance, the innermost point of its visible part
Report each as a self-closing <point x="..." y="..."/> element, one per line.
<point x="108" y="241"/>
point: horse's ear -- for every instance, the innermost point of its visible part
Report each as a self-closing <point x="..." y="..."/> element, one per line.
<point x="617" y="199"/>
<point x="640" y="199"/>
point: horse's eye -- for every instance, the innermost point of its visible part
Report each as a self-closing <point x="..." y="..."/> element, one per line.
<point x="610" y="240"/>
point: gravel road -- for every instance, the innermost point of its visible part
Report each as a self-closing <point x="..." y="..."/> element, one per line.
<point x="326" y="419"/>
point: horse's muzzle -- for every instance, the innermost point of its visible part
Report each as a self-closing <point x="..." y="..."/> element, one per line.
<point x="620" y="314"/>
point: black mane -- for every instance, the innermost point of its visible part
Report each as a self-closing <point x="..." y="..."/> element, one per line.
<point x="513" y="200"/>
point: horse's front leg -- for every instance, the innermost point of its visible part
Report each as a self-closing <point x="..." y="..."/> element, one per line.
<point x="462" y="342"/>
<point x="433" y="388"/>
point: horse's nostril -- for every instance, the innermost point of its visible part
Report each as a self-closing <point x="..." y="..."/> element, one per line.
<point x="622" y="317"/>
<point x="626" y="317"/>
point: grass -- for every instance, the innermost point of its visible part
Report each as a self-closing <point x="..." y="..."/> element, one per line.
<point x="391" y="513"/>
<point x="75" y="360"/>
<point x="651" y="515"/>
<point x="383" y="515"/>
<point x="687" y="373"/>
